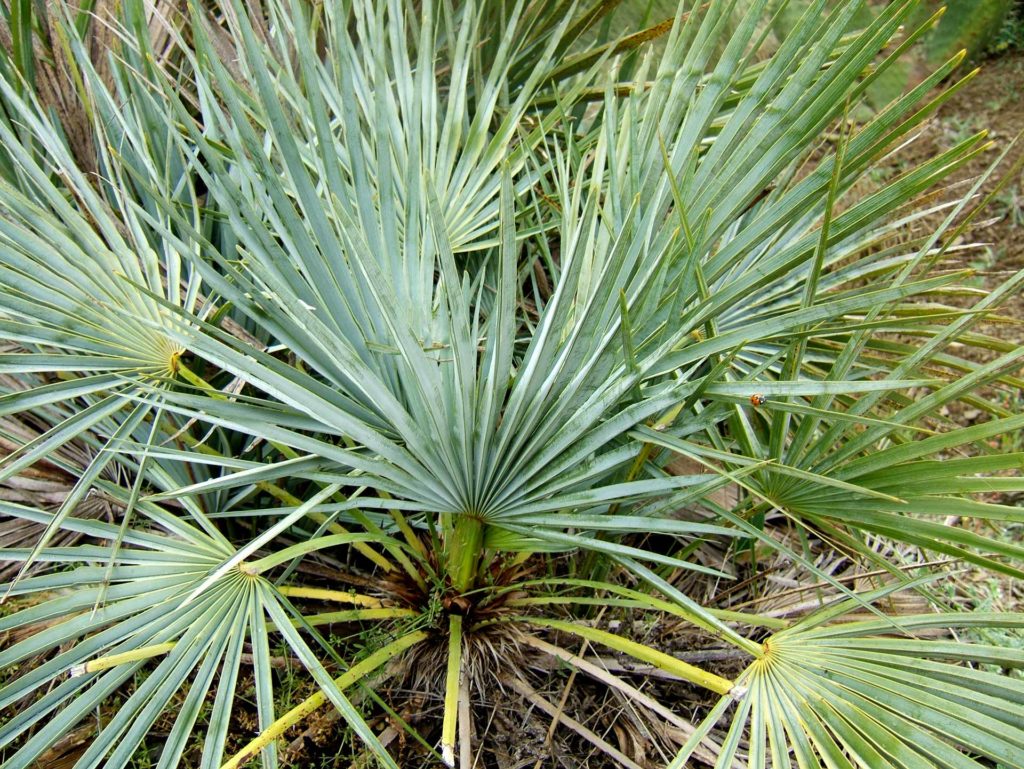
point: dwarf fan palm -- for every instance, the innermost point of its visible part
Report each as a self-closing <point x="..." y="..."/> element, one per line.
<point x="434" y="294"/>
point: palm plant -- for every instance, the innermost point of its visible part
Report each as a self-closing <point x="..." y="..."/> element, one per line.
<point x="478" y="309"/>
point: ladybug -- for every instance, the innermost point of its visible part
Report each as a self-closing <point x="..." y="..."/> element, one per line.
<point x="758" y="400"/>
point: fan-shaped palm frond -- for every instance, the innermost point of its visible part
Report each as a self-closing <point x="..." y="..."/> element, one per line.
<point x="873" y="694"/>
<point x="425" y="303"/>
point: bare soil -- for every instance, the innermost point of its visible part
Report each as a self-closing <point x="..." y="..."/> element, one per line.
<point x="993" y="101"/>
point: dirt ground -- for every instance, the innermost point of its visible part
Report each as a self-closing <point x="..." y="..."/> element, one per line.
<point x="993" y="101"/>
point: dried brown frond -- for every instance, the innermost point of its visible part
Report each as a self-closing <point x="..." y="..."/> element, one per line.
<point x="55" y="82"/>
